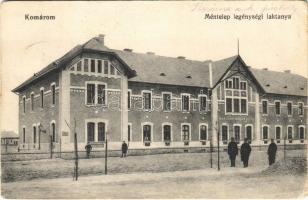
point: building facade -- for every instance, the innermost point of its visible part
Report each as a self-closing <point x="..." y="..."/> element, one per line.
<point x="155" y="102"/>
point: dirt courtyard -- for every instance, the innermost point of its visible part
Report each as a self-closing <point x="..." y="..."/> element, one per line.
<point x="158" y="176"/>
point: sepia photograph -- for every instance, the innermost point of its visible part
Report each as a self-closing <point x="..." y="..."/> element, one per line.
<point x="153" y="99"/>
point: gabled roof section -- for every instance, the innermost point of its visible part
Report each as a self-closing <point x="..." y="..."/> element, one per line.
<point x="220" y="67"/>
<point x="281" y="82"/>
<point x="166" y="70"/>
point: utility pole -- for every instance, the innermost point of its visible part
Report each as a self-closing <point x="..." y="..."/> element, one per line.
<point x="218" y="161"/>
<point x="106" y="154"/>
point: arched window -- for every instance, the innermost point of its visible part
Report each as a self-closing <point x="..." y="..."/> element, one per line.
<point x="237" y="133"/>
<point x="185" y="132"/>
<point x="203" y="132"/>
<point x="147" y="133"/>
<point x="290" y="132"/>
<point x="265" y="132"/>
<point x="53" y="132"/>
<point x="101" y="131"/>
<point x="23" y="135"/>
<point x="167" y="133"/>
<point x="90" y="128"/>
<point x="278" y="133"/>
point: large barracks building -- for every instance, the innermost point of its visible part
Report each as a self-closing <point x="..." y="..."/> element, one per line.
<point x="157" y="102"/>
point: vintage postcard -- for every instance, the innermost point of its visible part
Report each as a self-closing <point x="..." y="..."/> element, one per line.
<point x="153" y="99"/>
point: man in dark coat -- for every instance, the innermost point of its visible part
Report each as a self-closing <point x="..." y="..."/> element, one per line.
<point x="88" y="148"/>
<point x="232" y="151"/>
<point x="245" y="152"/>
<point x="271" y="152"/>
<point x="124" y="149"/>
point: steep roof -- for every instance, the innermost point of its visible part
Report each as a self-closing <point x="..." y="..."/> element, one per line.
<point x="281" y="82"/>
<point x="152" y="68"/>
<point x="166" y="70"/>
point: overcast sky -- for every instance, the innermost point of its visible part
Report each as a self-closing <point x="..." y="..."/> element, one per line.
<point x="166" y="28"/>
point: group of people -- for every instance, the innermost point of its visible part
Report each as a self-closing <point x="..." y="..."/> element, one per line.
<point x="245" y="152"/>
<point x="88" y="149"/>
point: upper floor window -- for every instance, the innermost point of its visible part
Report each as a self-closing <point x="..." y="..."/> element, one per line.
<point x="99" y="66"/>
<point x="264" y="107"/>
<point x="24" y="104"/>
<point x="112" y="70"/>
<point x="277" y="107"/>
<point x="289" y="107"/>
<point x="185" y="102"/>
<point x="166" y="101"/>
<point x="42" y="97"/>
<point x="96" y="94"/>
<point x="203" y="132"/>
<point x="228" y="105"/>
<point x="236" y="83"/>
<point x="300" y="108"/>
<point x="106" y="66"/>
<point x="92" y="65"/>
<point x="228" y="84"/>
<point x="53" y="94"/>
<point x="86" y="65"/>
<point x="32" y="101"/>
<point x="202" y="103"/>
<point x="147" y="100"/>
<point x="243" y="85"/>
<point x="265" y="132"/>
<point x="79" y="66"/>
<point x="128" y="99"/>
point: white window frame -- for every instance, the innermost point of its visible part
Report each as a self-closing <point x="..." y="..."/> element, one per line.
<point x="95" y="66"/>
<point x="162" y="130"/>
<point x="36" y="132"/>
<point x="207" y="131"/>
<point x="246" y="86"/>
<point x="95" y="121"/>
<point x="268" y="131"/>
<point x="301" y="115"/>
<point x="276" y="101"/>
<point x="301" y="126"/>
<point x="206" y="104"/>
<point x="53" y="95"/>
<point x="292" y="126"/>
<point x="251" y="125"/>
<point x="189" y="125"/>
<point x="264" y="114"/>
<point x="162" y="99"/>
<point x="152" y="130"/>
<point x="143" y="100"/>
<point x="23" y="137"/>
<point x="95" y="83"/>
<point x="228" y="131"/>
<point x="185" y="94"/>
<point x="281" y="137"/>
<point x="291" y="109"/>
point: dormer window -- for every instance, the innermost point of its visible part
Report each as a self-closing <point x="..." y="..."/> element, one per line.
<point x="86" y="65"/>
<point x="92" y="66"/>
<point x="185" y="102"/>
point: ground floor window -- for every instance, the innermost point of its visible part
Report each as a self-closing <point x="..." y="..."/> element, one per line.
<point x="265" y="132"/>
<point x="249" y="132"/>
<point x="129" y="133"/>
<point x="147" y="131"/>
<point x="301" y="133"/>
<point x="224" y="133"/>
<point x="278" y="133"/>
<point x="167" y="133"/>
<point x="290" y="132"/>
<point x="96" y="131"/>
<point x="53" y="131"/>
<point x="237" y="134"/>
<point x="24" y="135"/>
<point x="203" y="132"/>
<point x="185" y="132"/>
<point x="34" y="134"/>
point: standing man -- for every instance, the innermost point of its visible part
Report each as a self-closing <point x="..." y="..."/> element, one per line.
<point x="124" y="149"/>
<point x="232" y="151"/>
<point x="245" y="152"/>
<point x="88" y="148"/>
<point x="271" y="152"/>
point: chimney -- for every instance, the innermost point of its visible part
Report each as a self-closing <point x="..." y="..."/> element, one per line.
<point x="181" y="57"/>
<point x="150" y="53"/>
<point x="266" y="69"/>
<point x="287" y="71"/>
<point x="101" y="39"/>
<point x="128" y="50"/>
